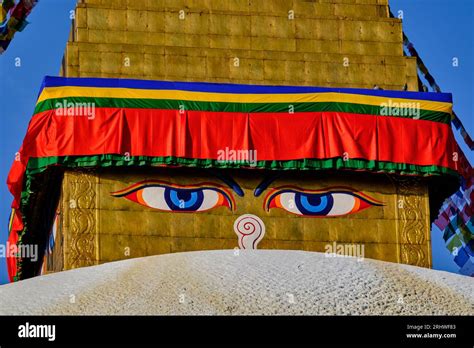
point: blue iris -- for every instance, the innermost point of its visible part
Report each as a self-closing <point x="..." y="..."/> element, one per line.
<point x="314" y="204"/>
<point x="184" y="199"/>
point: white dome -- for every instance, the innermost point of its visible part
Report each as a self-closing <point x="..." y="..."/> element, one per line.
<point x="252" y="282"/>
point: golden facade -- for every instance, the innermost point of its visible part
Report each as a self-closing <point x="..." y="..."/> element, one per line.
<point x="95" y="226"/>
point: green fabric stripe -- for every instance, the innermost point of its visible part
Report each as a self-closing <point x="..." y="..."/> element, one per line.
<point x="37" y="165"/>
<point x="51" y="104"/>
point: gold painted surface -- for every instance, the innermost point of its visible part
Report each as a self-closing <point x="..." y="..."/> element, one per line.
<point x="105" y="228"/>
<point x="337" y="43"/>
<point x="414" y="236"/>
<point x="79" y="216"/>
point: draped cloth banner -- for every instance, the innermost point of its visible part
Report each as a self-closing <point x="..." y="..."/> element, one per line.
<point x="113" y="122"/>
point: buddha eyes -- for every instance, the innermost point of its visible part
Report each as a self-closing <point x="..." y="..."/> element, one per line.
<point x="170" y="197"/>
<point x="320" y="203"/>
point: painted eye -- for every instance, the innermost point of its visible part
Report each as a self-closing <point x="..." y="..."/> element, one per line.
<point x="329" y="202"/>
<point x="175" y="198"/>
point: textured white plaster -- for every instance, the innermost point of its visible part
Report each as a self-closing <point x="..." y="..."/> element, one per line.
<point x="252" y="282"/>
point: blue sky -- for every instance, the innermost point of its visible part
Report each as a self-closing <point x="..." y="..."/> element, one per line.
<point x="439" y="29"/>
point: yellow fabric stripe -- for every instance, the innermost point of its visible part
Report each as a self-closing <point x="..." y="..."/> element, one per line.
<point x="131" y="93"/>
<point x="10" y="222"/>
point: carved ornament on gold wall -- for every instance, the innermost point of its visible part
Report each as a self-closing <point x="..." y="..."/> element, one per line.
<point x="413" y="227"/>
<point x="82" y="236"/>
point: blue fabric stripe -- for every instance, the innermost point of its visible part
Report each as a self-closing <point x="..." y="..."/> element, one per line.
<point x="50" y="81"/>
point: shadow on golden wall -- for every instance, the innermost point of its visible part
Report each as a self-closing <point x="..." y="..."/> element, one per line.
<point x="107" y="216"/>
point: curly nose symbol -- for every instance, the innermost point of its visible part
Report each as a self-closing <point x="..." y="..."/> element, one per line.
<point x="250" y="230"/>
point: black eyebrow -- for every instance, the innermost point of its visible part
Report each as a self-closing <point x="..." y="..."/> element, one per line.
<point x="226" y="179"/>
<point x="265" y="183"/>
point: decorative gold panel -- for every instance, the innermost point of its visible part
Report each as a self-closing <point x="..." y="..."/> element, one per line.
<point x="79" y="219"/>
<point x="414" y="222"/>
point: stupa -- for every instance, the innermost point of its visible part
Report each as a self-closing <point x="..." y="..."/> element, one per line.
<point x="196" y="125"/>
